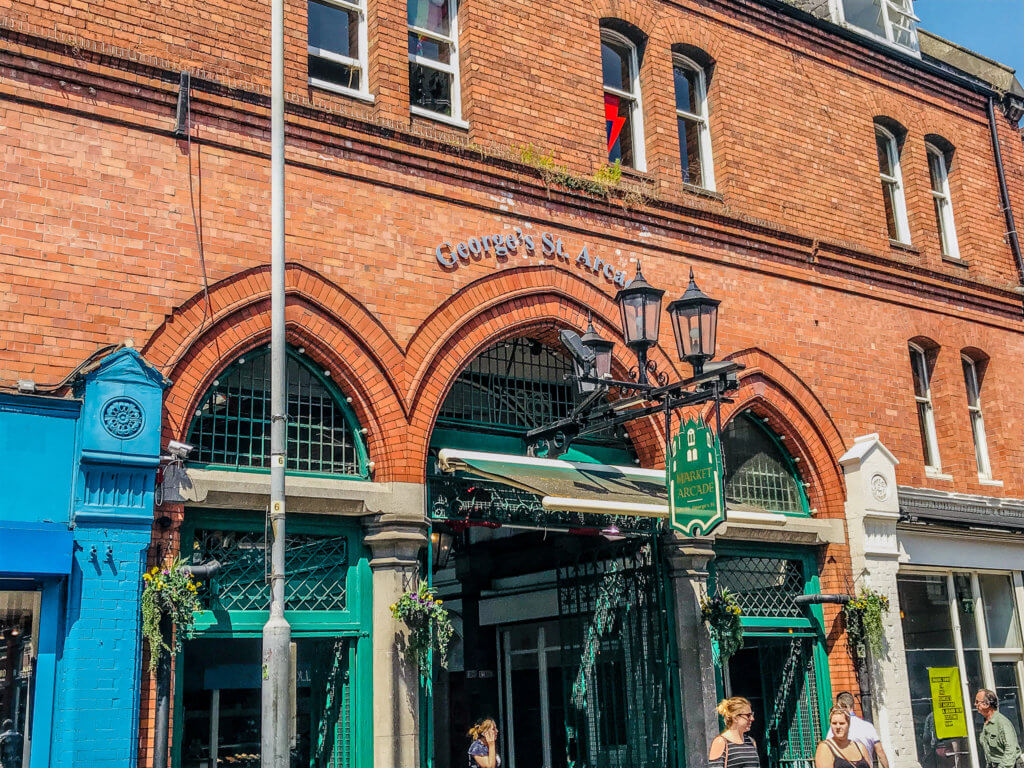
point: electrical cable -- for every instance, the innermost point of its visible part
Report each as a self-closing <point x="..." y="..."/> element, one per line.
<point x="197" y="222"/>
<point x="50" y="389"/>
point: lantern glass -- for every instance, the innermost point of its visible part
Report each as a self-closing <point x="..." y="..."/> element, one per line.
<point x="602" y="349"/>
<point x="640" y="304"/>
<point x="695" y="326"/>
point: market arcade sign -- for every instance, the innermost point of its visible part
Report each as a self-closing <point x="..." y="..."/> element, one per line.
<point x="502" y="246"/>
<point x="695" y="481"/>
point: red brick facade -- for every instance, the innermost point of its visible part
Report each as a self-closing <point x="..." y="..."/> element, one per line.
<point x="102" y="208"/>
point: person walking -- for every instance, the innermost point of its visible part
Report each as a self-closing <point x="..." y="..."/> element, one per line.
<point x="483" y="752"/>
<point x="734" y="747"/>
<point x="839" y="751"/>
<point x="861" y="730"/>
<point x="998" y="739"/>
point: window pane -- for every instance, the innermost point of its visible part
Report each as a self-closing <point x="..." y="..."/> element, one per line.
<point x="429" y="14"/>
<point x="686" y="90"/>
<point x="1000" y="611"/>
<point x="1008" y="691"/>
<point x="420" y="45"/>
<point x="965" y="611"/>
<point x="340" y="74"/>
<point x="883" y="145"/>
<point x="19" y="627"/>
<point x="689" y="151"/>
<point x="971" y="382"/>
<point x="430" y="89"/>
<point x="940" y="225"/>
<point x="757" y="471"/>
<point x="889" y="200"/>
<point x="333" y="29"/>
<point x="616" y="65"/>
<point x="923" y="425"/>
<point x="935" y="172"/>
<point x="866" y="14"/>
<point x="920" y="371"/>
<point x="618" y="116"/>
<point x="928" y="636"/>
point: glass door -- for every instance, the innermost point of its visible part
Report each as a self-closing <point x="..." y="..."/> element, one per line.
<point x="19" y="628"/>
<point x="533" y="710"/>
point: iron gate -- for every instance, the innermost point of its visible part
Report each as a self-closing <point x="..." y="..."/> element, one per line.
<point x="616" y="670"/>
<point x="794" y="726"/>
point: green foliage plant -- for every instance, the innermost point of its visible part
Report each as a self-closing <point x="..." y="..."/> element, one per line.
<point x="722" y="614"/>
<point x="173" y="593"/>
<point x="429" y="624"/>
<point x="863" y="617"/>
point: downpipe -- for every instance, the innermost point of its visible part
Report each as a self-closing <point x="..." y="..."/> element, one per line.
<point x="1004" y="193"/>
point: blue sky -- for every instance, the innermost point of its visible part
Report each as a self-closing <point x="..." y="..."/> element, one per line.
<point x="993" y="28"/>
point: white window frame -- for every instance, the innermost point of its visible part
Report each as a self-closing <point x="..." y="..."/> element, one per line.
<point x="637" y="115"/>
<point x="452" y="67"/>
<point x="946" y="223"/>
<point x="918" y="357"/>
<point x="886" y="9"/>
<point x="970" y="366"/>
<point x="707" y="169"/>
<point x="360" y="63"/>
<point x="896" y="179"/>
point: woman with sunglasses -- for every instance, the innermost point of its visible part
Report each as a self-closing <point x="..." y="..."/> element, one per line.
<point x="840" y="751"/>
<point x="733" y="747"/>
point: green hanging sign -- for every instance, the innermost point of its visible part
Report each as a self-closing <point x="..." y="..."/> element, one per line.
<point x="694" y="478"/>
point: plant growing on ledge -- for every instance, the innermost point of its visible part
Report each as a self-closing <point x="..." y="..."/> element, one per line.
<point x="172" y="593"/>
<point x="863" y="618"/>
<point x="722" y="614"/>
<point x="429" y="626"/>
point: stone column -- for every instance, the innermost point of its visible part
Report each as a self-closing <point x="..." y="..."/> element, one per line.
<point x="395" y="541"/>
<point x="688" y="569"/>
<point x="872" y="511"/>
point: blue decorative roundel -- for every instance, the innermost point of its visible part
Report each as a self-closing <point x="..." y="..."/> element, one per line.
<point x="122" y="417"/>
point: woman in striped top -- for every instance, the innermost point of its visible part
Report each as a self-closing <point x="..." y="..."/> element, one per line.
<point x="733" y="747"/>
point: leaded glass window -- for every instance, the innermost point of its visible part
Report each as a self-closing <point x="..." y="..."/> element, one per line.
<point x="758" y="472"/>
<point x="763" y="586"/>
<point x="232" y="424"/>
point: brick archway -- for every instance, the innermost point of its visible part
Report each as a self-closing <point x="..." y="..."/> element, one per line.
<point x="192" y="347"/>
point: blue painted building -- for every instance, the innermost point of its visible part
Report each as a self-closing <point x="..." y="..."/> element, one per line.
<point x="77" y="479"/>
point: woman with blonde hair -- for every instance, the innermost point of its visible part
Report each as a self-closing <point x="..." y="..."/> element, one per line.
<point x="734" y="747"/>
<point x="840" y="751"/>
<point x="483" y="752"/>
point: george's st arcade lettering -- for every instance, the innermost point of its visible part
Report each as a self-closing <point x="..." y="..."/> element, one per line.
<point x="503" y="245"/>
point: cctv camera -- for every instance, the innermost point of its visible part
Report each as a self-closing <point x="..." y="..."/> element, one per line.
<point x="582" y="354"/>
<point x="179" y="450"/>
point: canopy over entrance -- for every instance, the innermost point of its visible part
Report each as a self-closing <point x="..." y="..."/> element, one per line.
<point x="569" y="485"/>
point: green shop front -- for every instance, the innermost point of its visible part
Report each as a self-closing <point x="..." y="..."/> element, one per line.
<point x="570" y="625"/>
<point x="217" y="692"/>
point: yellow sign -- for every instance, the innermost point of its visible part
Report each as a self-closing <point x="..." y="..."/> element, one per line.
<point x="947" y="703"/>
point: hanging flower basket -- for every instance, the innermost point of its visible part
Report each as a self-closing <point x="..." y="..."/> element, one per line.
<point x="863" y="618"/>
<point x="722" y="614"/>
<point x="429" y="626"/>
<point x="170" y="593"/>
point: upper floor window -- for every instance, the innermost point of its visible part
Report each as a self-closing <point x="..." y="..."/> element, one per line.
<point x="337" y="45"/>
<point x="938" y="170"/>
<point x="890" y="20"/>
<point x="232" y="423"/>
<point x="892" y="184"/>
<point x="434" y="58"/>
<point x="921" y="363"/>
<point x="623" y="115"/>
<point x="972" y="380"/>
<point x="692" y="120"/>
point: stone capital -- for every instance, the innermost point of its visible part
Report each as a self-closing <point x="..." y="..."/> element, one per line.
<point x="395" y="540"/>
<point x="687" y="557"/>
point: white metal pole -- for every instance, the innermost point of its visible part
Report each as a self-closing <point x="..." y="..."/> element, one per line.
<point x="276" y="671"/>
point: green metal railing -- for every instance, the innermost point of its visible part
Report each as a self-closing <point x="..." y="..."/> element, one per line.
<point x="231" y="427"/>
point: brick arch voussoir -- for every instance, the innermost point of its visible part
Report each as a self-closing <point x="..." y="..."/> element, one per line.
<point x="642" y="15"/>
<point x="538" y="315"/>
<point x="675" y="29"/>
<point x="331" y="344"/>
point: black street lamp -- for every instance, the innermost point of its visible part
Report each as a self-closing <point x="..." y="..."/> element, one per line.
<point x="640" y="305"/>
<point x="602" y="349"/>
<point x="695" y="326"/>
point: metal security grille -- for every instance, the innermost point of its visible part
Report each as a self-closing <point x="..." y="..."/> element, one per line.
<point x="520" y="384"/>
<point x="794" y="726"/>
<point x="757" y="471"/>
<point x="616" y="677"/>
<point x="764" y="586"/>
<point x="331" y="697"/>
<point x="317" y="568"/>
<point x="232" y="425"/>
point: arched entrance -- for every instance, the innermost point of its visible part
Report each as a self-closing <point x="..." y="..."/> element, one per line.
<point x="563" y="631"/>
